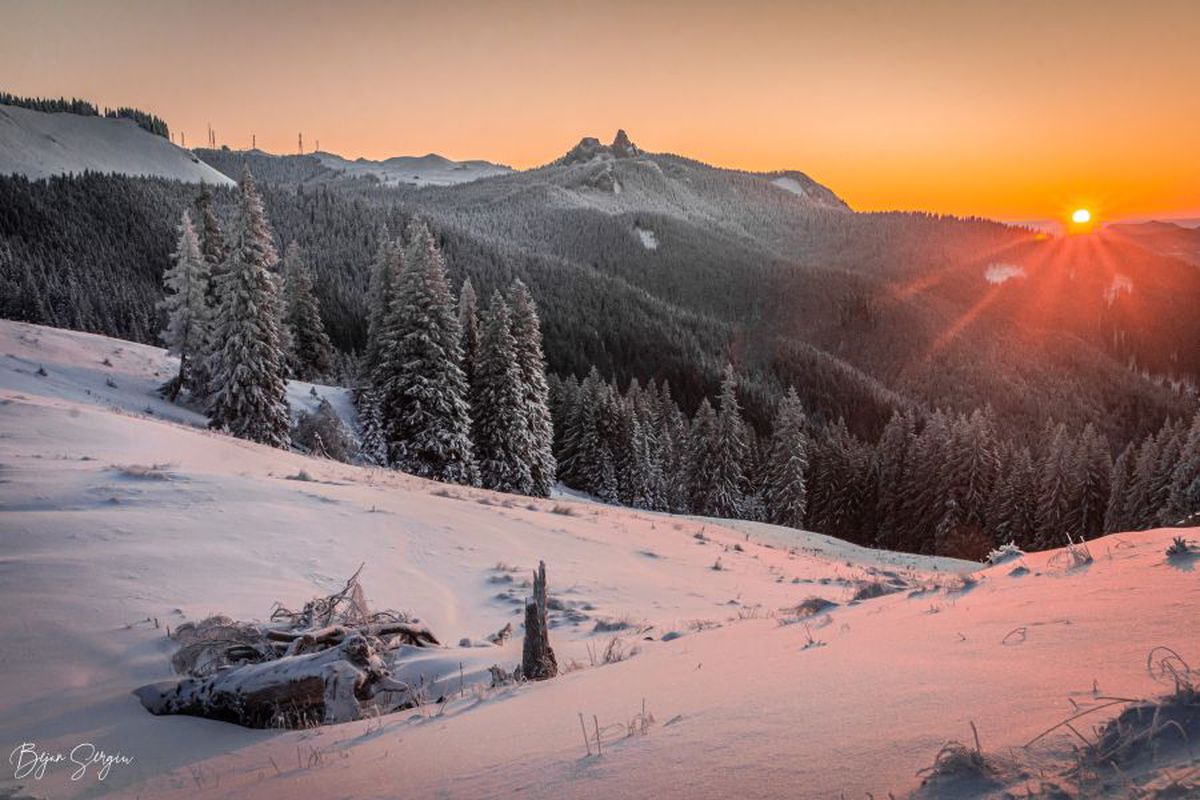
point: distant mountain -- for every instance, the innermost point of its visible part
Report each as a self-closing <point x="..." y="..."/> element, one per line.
<point x="427" y="170"/>
<point x="1165" y="238"/>
<point x="323" y="167"/>
<point x="38" y="144"/>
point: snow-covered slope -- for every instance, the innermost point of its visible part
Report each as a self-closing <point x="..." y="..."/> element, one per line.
<point x="427" y="170"/>
<point x="99" y="556"/>
<point x="39" y="144"/>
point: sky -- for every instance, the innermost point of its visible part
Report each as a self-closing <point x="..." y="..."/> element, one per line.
<point x="1014" y="110"/>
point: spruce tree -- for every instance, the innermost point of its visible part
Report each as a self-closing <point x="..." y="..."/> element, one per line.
<point x="501" y="432"/>
<point x="311" y="354"/>
<point x="468" y="323"/>
<point x="1057" y="482"/>
<point x="423" y="392"/>
<point x="1116" y="518"/>
<point x="531" y="366"/>
<point x="186" y="308"/>
<point x="385" y="270"/>
<point x="373" y="448"/>
<point x="729" y="454"/>
<point x="248" y="367"/>
<point x="1094" y="470"/>
<point x="786" y="492"/>
<point x="1183" y="502"/>
<point x="702" y="478"/>
<point x="895" y="460"/>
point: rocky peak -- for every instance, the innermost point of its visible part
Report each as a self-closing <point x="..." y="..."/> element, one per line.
<point x="589" y="149"/>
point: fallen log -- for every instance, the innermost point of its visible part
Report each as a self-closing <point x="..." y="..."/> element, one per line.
<point x="293" y="691"/>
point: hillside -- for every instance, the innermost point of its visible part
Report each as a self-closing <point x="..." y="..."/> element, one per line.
<point x="657" y="266"/>
<point x="112" y="551"/>
<point x="37" y="144"/>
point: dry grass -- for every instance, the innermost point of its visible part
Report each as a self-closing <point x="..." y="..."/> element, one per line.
<point x="152" y="472"/>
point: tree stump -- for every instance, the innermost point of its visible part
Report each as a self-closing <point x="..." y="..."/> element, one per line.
<point x="537" y="661"/>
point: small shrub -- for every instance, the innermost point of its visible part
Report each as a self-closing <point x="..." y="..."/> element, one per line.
<point x="322" y="434"/>
<point x="566" y="511"/>
<point x="1005" y="553"/>
<point x="1180" y="548"/>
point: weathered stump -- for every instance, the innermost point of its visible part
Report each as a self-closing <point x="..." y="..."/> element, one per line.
<point x="537" y="661"/>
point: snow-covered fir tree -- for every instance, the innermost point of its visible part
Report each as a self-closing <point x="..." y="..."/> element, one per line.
<point x="186" y="308"/>
<point x="1093" y="469"/>
<point x="384" y="275"/>
<point x="894" y="457"/>
<point x="1183" y="501"/>
<point x="1057" y="487"/>
<point x="503" y="445"/>
<point x="702" y="460"/>
<point x="311" y="355"/>
<point x="423" y="392"/>
<point x="468" y="324"/>
<point x="531" y="367"/>
<point x="1116" y="517"/>
<point x="373" y="448"/>
<point x="248" y="364"/>
<point x="729" y="452"/>
<point x="787" y="464"/>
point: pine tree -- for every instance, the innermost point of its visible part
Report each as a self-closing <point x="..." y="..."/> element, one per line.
<point x="1183" y="502"/>
<point x="1094" y="469"/>
<point x="531" y="366"/>
<point x="1013" y="517"/>
<point x="1116" y="518"/>
<point x="468" y="323"/>
<point x="186" y="308"/>
<point x="1056" y="489"/>
<point x="729" y="452"/>
<point x="501" y="431"/>
<point x="249" y="397"/>
<point x="702" y="460"/>
<point x="786" y="492"/>
<point x="895" y="462"/>
<point x="385" y="271"/>
<point x="423" y="393"/>
<point x="373" y="448"/>
<point x="311" y="354"/>
<point x="1175" y="436"/>
<point x="1140" y="511"/>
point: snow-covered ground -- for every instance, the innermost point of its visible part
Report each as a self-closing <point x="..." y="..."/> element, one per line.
<point x="39" y="144"/>
<point x="427" y="170"/>
<point x="98" y="556"/>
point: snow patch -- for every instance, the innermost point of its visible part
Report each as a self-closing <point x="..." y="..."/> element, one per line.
<point x="789" y="184"/>
<point x="649" y="240"/>
<point x="1000" y="273"/>
<point x="1120" y="284"/>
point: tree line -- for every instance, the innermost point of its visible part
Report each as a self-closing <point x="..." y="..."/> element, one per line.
<point x="943" y="483"/>
<point x="83" y="108"/>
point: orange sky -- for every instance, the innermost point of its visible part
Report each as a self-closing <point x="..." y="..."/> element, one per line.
<point x="1016" y="110"/>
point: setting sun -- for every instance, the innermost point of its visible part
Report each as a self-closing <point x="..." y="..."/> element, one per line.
<point x="1081" y="216"/>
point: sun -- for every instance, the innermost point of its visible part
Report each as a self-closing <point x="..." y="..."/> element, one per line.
<point x="1081" y="216"/>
